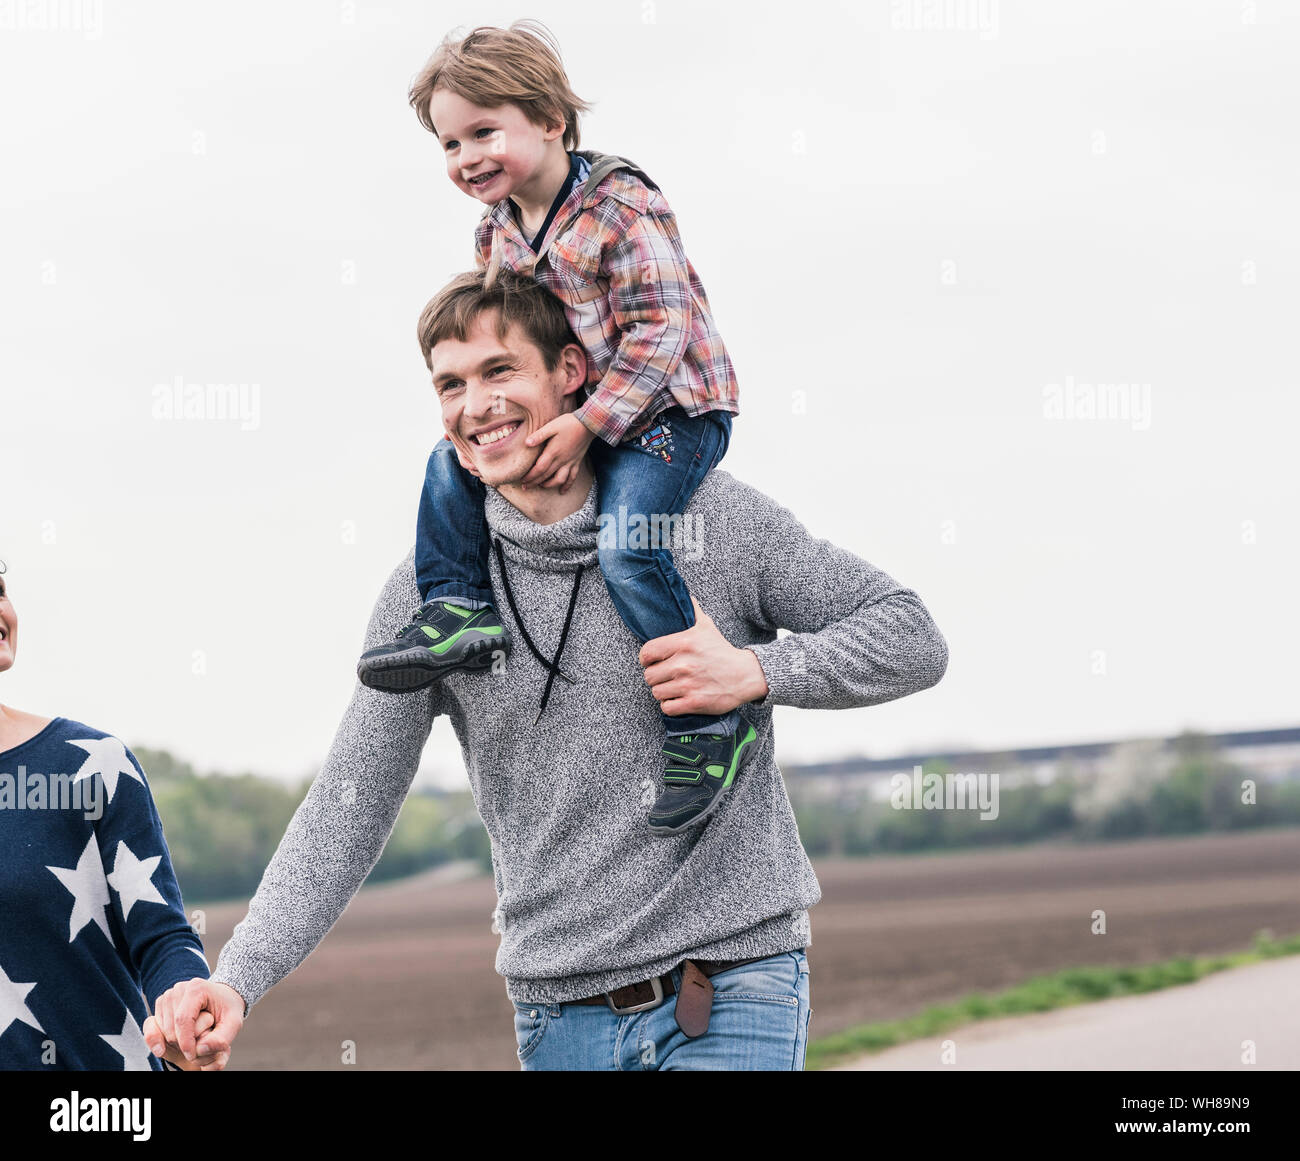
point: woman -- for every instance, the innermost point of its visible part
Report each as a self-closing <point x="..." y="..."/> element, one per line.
<point x="90" y="914"/>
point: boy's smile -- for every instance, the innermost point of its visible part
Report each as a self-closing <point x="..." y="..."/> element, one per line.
<point x="480" y="182"/>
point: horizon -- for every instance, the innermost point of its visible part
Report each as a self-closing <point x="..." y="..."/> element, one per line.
<point x="430" y="778"/>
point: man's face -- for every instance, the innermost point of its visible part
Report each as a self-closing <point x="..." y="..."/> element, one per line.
<point x="490" y="153"/>
<point x="495" y="392"/>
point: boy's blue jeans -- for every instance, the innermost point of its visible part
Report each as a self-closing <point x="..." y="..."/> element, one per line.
<point x="758" y="1022"/>
<point x="640" y="484"/>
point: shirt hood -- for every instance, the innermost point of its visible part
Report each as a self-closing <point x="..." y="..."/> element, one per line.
<point x="630" y="185"/>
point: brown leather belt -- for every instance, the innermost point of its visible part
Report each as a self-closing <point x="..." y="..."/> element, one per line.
<point x="647" y="994"/>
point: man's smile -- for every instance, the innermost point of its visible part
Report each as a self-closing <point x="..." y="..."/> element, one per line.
<point x="492" y="436"/>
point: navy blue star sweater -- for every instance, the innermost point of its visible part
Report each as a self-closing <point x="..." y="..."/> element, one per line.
<point x="90" y="913"/>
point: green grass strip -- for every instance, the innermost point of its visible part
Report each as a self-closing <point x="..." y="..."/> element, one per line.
<point x="1077" y="985"/>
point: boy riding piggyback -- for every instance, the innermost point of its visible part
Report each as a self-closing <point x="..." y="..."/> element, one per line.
<point x="661" y="390"/>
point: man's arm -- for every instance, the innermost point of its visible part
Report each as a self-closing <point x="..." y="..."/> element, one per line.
<point x="339" y="830"/>
<point x="334" y="839"/>
<point x="856" y="636"/>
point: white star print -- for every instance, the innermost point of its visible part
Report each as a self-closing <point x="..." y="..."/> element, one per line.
<point x="13" y="1006"/>
<point x="130" y="1045"/>
<point x="132" y="878"/>
<point x="89" y="891"/>
<point x="108" y="759"/>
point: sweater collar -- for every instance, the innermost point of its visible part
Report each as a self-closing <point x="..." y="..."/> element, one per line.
<point x="566" y="545"/>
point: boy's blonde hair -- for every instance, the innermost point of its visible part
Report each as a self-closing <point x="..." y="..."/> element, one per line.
<point x="519" y="65"/>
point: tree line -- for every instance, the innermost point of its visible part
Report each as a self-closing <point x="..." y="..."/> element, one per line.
<point x="223" y="829"/>
<point x="1139" y="793"/>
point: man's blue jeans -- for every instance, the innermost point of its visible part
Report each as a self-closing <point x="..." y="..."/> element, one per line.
<point x="642" y="484"/>
<point x="758" y="1023"/>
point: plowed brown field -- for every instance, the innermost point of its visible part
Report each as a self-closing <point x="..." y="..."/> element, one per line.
<point x="407" y="972"/>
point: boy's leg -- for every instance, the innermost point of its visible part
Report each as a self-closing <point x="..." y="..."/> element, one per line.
<point x="451" y="537"/>
<point x="456" y="627"/>
<point x="642" y="484"/>
<point x="656" y="476"/>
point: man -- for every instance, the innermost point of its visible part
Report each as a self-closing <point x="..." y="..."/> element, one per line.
<point x="620" y="949"/>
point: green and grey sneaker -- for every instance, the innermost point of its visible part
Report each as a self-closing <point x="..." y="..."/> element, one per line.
<point x="698" y="770"/>
<point x="441" y="637"/>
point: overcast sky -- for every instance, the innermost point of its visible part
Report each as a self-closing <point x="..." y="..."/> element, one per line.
<point x="1011" y="290"/>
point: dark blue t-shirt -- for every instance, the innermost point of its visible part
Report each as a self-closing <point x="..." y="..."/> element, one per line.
<point x="90" y="913"/>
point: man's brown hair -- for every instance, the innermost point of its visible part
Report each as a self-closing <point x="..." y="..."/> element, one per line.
<point x="517" y="300"/>
<point x="519" y="65"/>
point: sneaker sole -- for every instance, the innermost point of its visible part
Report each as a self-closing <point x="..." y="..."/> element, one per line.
<point x="669" y="831"/>
<point x="419" y="668"/>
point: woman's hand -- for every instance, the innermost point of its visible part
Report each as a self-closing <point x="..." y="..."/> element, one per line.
<point x="173" y="1055"/>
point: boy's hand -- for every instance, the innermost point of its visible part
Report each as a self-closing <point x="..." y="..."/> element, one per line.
<point x="567" y="439"/>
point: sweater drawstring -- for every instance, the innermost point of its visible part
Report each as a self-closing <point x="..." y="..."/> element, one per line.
<point x="510" y="596"/>
<point x="552" y="666"/>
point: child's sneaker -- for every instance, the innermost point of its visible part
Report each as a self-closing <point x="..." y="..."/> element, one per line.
<point x="698" y="770"/>
<point x="441" y="637"/>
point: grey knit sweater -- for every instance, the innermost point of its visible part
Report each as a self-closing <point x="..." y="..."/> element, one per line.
<point x="588" y="899"/>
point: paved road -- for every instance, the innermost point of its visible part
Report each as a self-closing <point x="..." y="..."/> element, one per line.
<point x="1197" y="1026"/>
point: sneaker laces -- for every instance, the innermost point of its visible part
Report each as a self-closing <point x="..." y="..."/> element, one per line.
<point x="417" y="618"/>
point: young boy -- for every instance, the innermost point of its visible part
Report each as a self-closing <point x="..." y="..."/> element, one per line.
<point x="598" y="233"/>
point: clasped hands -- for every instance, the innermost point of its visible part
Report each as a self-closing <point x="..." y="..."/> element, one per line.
<point x="194" y="1024"/>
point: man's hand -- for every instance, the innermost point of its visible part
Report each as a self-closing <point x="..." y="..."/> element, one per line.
<point x="198" y="1017"/>
<point x="698" y="671"/>
<point x="567" y="439"/>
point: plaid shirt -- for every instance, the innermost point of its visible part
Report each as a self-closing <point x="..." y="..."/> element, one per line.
<point x="614" y="257"/>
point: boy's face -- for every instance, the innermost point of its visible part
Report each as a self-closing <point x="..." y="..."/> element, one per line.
<point x="491" y="153"/>
<point x="500" y="387"/>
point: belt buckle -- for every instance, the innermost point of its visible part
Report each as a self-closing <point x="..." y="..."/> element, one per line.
<point x="656" y="985"/>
